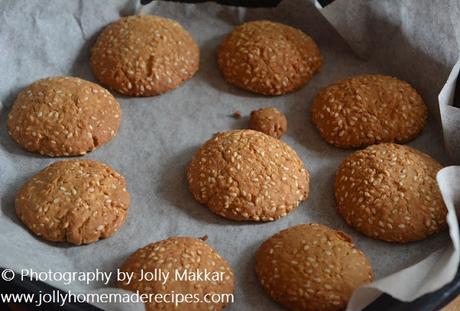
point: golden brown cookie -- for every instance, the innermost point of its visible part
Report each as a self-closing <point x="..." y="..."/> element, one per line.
<point x="369" y="109"/>
<point x="389" y="192"/>
<point x="193" y="267"/>
<point x="269" y="121"/>
<point x="75" y="201"/>
<point x="248" y="175"/>
<point x="144" y="55"/>
<point x="268" y="58"/>
<point x="311" y="267"/>
<point x="63" y="116"/>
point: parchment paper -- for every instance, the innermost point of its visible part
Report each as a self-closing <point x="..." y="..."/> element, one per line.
<point x="159" y="135"/>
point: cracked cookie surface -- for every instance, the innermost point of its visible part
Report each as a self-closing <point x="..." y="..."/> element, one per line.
<point x="389" y="192"/>
<point x="75" y="201"/>
<point x="369" y="109"/>
<point x="180" y="256"/>
<point x="311" y="267"/>
<point x="248" y="175"/>
<point x="268" y="58"/>
<point x="144" y="55"/>
<point x="63" y="116"/>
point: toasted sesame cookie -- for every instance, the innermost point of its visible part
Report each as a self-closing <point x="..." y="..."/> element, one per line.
<point x="389" y="192"/>
<point x="268" y="58"/>
<point x="248" y="175"/>
<point x="75" y="201"/>
<point x="63" y="116"/>
<point x="193" y="268"/>
<point x="144" y="55"/>
<point x="269" y="121"/>
<point x="368" y="109"/>
<point x="311" y="267"/>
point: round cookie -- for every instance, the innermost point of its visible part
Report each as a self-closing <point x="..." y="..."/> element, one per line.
<point x="75" y="201"/>
<point x="63" y="116"/>
<point x="368" y="109"/>
<point x="268" y="58"/>
<point x="389" y="192"/>
<point x="248" y="175"/>
<point x="311" y="267"/>
<point x="180" y="256"/>
<point x="144" y="55"/>
<point x="269" y="121"/>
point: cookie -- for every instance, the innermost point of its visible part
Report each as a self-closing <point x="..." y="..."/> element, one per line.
<point x="248" y="175"/>
<point x="268" y="58"/>
<point x="63" y="116"/>
<point x="269" y="121"/>
<point x="144" y="55"/>
<point x="364" y="110"/>
<point x="188" y="266"/>
<point x="389" y="192"/>
<point x="75" y="201"/>
<point x="311" y="267"/>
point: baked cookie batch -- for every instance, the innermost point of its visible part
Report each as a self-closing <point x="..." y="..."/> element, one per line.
<point x="385" y="191"/>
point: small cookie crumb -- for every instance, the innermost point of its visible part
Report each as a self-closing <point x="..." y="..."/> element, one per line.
<point x="236" y="115"/>
<point x="269" y="121"/>
<point x="204" y="238"/>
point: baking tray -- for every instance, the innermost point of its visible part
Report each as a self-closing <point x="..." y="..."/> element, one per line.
<point x="429" y="302"/>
